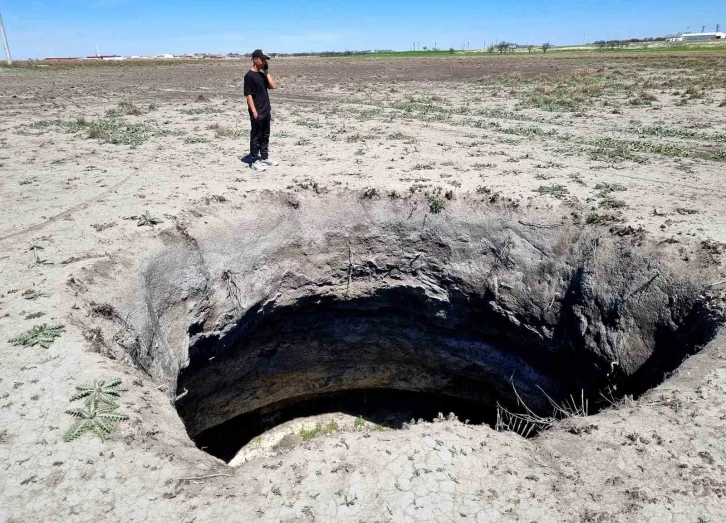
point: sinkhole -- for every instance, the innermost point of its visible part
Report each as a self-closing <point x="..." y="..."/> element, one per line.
<point x="370" y="312"/>
<point x="397" y="355"/>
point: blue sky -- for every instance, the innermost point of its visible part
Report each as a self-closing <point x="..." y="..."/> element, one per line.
<point x="40" y="28"/>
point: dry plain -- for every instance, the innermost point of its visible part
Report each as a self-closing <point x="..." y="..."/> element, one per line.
<point x="104" y="166"/>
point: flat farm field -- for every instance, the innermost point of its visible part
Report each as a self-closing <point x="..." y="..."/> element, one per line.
<point x="633" y="140"/>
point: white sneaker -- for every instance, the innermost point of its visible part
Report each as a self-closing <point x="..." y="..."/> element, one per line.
<point x="258" y="166"/>
<point x="270" y="162"/>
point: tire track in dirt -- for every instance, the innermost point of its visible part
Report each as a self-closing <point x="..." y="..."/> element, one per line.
<point x="68" y="212"/>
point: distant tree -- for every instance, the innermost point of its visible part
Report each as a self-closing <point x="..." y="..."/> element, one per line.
<point x="425" y="48"/>
<point x="529" y="48"/>
<point x="491" y="49"/>
<point x="546" y="46"/>
<point x="503" y="47"/>
<point x="452" y="50"/>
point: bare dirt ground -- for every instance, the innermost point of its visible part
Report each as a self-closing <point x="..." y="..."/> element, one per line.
<point x="633" y="146"/>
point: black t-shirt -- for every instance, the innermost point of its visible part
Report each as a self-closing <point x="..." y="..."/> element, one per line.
<point x="256" y="84"/>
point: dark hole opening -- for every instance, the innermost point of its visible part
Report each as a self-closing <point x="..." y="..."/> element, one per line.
<point x="396" y="356"/>
<point x="387" y="408"/>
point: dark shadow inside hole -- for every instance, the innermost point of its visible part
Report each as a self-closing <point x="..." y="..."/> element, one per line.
<point x="385" y="407"/>
<point x="468" y="351"/>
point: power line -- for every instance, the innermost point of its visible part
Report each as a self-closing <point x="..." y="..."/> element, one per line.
<point x="5" y="42"/>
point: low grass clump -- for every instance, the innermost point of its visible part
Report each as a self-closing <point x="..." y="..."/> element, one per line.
<point x="694" y="93"/>
<point x="646" y="98"/>
<point x="43" y="335"/>
<point x="195" y="139"/>
<point x="436" y="205"/>
<point x="44" y="126"/>
<point x="618" y="150"/>
<point x="423" y="166"/>
<point x="600" y="219"/>
<point x="605" y="194"/>
<point x="604" y="188"/>
<point x="568" y="95"/>
<point x="319" y="430"/>
<point x="221" y="131"/>
<point x="124" y="109"/>
<point x="667" y="132"/>
<point x="399" y="136"/>
<point x="608" y="202"/>
<point x="201" y="110"/>
<point x="146" y="219"/>
<point x="118" y="133"/>
<point x="555" y="190"/>
<point x="100" y="413"/>
<point x="106" y="130"/>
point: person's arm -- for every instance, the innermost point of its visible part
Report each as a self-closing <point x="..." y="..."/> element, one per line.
<point x="248" y="96"/>
<point x="270" y="82"/>
<point x="251" y="105"/>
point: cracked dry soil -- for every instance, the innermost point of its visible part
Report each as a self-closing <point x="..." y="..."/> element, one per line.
<point x="309" y="299"/>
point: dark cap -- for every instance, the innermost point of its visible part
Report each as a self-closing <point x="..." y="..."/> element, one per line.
<point x="259" y="54"/>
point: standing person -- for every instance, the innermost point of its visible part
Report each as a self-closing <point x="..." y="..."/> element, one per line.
<point x="257" y="81"/>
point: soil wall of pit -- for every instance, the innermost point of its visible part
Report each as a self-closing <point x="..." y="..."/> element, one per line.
<point x="301" y="297"/>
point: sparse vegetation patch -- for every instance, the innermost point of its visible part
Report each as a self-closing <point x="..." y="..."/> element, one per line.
<point x="100" y="413"/>
<point x="555" y="190"/>
<point x="43" y="335"/>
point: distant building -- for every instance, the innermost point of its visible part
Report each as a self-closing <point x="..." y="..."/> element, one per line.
<point x="691" y="37"/>
<point x="100" y="57"/>
<point x="113" y="57"/>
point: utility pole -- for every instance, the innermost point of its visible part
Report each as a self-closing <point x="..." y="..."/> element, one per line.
<point x="5" y="42"/>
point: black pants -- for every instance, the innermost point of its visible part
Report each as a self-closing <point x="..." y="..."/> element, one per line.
<point x="260" y="138"/>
